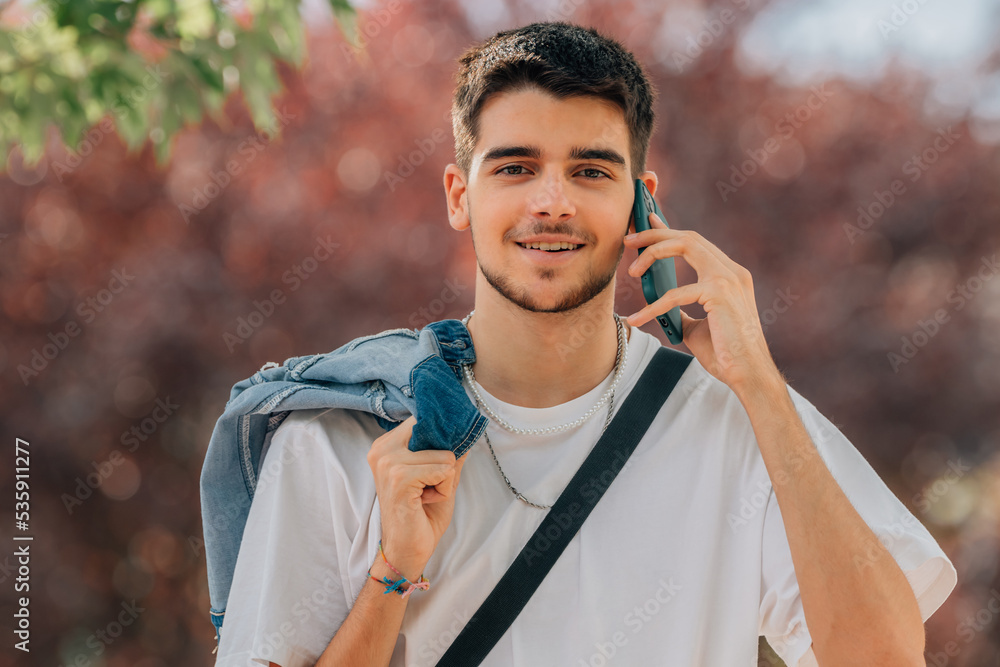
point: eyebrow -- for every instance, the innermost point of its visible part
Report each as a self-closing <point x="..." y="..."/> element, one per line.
<point x="576" y="153"/>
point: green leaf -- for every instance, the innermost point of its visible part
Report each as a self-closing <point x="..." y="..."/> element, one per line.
<point x="32" y="133"/>
<point x="347" y="19"/>
<point x="162" y="151"/>
<point x="163" y="145"/>
<point x="291" y="23"/>
<point x="75" y="65"/>
<point x="188" y="105"/>
<point x="74" y="123"/>
<point x="259" y="102"/>
<point x="208" y="75"/>
<point x="133" y="125"/>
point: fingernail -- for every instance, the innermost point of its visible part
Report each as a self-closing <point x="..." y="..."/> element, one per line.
<point x="631" y="236"/>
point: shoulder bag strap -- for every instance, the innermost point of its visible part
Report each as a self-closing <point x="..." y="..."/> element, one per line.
<point x="525" y="574"/>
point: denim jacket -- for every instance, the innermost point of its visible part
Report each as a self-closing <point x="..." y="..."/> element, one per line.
<point x="392" y="375"/>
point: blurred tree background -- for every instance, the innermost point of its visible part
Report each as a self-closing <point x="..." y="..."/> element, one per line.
<point x="135" y="290"/>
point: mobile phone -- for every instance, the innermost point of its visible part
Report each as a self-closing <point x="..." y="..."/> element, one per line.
<point x="660" y="276"/>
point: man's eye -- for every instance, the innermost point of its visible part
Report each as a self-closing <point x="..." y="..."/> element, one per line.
<point x="594" y="173"/>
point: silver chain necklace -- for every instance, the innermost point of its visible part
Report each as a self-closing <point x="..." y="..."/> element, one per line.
<point x="609" y="395"/>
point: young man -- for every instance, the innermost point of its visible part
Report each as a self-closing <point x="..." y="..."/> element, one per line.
<point x="742" y="512"/>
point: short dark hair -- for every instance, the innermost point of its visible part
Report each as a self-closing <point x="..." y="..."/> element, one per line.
<point x="563" y="59"/>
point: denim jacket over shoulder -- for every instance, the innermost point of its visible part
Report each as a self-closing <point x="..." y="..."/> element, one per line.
<point x="392" y="375"/>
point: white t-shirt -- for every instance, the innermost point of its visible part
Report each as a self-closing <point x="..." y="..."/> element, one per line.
<point x="684" y="560"/>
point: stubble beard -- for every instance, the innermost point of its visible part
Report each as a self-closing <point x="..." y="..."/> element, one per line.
<point x="593" y="284"/>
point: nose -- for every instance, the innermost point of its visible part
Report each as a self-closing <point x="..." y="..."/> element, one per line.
<point x="551" y="199"/>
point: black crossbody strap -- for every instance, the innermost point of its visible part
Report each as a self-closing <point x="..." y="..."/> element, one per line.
<point x="608" y="456"/>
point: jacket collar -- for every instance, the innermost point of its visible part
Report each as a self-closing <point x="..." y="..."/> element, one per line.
<point x="456" y="344"/>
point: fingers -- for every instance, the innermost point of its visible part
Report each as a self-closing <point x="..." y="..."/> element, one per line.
<point x="445" y="489"/>
<point x="409" y="485"/>
<point x="431" y="474"/>
<point x="704" y="256"/>
<point x="678" y="296"/>
<point x="698" y="256"/>
<point x="431" y="495"/>
<point x="440" y="478"/>
<point x="396" y="443"/>
<point x="439" y="485"/>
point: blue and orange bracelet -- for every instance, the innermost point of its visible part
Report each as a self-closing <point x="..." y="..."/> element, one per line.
<point x="391" y="585"/>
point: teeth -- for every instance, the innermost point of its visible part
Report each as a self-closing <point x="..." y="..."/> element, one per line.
<point x="551" y="246"/>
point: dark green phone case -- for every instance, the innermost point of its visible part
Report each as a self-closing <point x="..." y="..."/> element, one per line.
<point x="660" y="276"/>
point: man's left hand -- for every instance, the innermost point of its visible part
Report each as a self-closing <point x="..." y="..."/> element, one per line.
<point x="729" y="341"/>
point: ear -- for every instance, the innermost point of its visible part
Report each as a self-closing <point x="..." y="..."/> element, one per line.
<point x="457" y="197"/>
<point x="651" y="181"/>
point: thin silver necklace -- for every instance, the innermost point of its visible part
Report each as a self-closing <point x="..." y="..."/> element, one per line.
<point x="609" y="396"/>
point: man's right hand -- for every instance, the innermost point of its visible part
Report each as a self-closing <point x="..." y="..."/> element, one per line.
<point x="416" y="494"/>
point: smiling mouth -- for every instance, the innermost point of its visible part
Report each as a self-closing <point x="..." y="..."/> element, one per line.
<point x="551" y="247"/>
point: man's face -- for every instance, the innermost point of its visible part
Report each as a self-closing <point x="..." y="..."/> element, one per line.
<point x="545" y="167"/>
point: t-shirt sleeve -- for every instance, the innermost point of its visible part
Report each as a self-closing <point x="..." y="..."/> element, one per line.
<point x="929" y="571"/>
<point x="288" y="595"/>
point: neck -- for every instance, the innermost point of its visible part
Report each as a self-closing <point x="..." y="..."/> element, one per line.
<point x="538" y="360"/>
